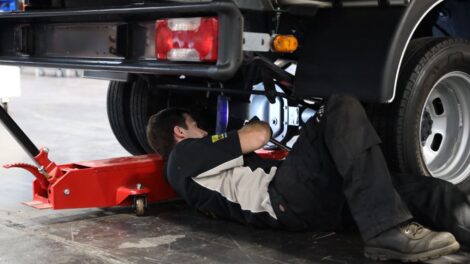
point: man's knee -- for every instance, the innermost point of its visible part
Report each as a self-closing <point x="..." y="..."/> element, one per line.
<point x="345" y="106"/>
<point x="343" y="102"/>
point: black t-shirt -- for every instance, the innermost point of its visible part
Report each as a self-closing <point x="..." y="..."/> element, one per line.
<point x="212" y="175"/>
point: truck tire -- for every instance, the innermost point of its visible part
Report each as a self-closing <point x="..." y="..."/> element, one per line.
<point x="426" y="130"/>
<point x="143" y="104"/>
<point x="118" y="108"/>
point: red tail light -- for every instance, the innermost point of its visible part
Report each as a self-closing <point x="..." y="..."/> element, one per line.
<point x="187" y="39"/>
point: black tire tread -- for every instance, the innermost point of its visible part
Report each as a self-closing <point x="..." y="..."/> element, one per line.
<point x="389" y="119"/>
<point x="140" y="115"/>
<point x="118" y="116"/>
<point x="385" y="117"/>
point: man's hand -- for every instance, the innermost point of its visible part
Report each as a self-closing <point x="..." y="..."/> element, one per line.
<point x="254" y="135"/>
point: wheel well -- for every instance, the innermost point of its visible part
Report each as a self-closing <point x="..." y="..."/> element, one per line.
<point x="448" y="19"/>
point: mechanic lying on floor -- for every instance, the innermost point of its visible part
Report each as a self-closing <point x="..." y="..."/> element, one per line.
<point x="335" y="169"/>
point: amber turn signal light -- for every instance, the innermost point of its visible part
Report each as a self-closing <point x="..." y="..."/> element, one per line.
<point x="285" y="43"/>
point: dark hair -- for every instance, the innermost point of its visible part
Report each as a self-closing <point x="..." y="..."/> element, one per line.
<point x="160" y="129"/>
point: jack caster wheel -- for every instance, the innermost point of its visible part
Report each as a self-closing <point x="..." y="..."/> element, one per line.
<point x="140" y="204"/>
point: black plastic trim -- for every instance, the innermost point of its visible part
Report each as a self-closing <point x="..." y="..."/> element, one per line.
<point x="347" y="52"/>
<point x="358" y="51"/>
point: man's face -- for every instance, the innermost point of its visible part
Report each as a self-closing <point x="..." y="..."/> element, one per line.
<point x="192" y="131"/>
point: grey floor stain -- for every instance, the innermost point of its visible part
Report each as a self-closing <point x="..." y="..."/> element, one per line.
<point x="152" y="241"/>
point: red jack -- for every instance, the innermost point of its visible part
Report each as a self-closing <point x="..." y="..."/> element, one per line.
<point x="125" y="181"/>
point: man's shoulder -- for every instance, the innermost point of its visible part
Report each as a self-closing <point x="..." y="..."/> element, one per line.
<point x="178" y="164"/>
<point x="186" y="151"/>
<point x="183" y="149"/>
<point x="188" y="145"/>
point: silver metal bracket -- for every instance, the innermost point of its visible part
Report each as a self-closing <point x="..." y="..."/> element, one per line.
<point x="293" y="116"/>
<point x="260" y="42"/>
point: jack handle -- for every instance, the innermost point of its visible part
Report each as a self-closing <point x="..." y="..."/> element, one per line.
<point x="46" y="171"/>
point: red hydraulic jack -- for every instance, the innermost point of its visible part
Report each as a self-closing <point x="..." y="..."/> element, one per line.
<point x="125" y="181"/>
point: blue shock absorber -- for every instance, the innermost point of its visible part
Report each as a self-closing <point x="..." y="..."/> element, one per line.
<point x="8" y="5"/>
<point x="222" y="114"/>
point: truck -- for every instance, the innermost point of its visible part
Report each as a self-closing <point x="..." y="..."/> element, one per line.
<point x="408" y="61"/>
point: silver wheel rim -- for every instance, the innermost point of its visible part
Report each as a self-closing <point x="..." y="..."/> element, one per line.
<point x="445" y="145"/>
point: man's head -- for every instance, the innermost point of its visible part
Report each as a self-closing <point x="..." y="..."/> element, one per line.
<point x="169" y="127"/>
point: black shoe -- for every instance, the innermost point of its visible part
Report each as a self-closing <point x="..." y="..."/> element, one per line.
<point x="410" y="242"/>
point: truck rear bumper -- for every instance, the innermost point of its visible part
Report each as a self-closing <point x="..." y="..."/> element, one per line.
<point x="117" y="39"/>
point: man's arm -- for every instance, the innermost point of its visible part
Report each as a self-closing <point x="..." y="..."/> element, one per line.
<point x="253" y="136"/>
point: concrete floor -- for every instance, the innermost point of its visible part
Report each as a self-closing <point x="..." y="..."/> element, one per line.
<point x="69" y="116"/>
